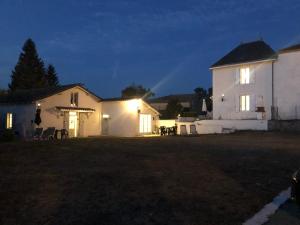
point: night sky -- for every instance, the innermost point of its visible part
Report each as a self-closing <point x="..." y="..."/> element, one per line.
<point x="167" y="45"/>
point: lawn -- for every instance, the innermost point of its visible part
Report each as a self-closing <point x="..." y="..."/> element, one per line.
<point x="211" y="179"/>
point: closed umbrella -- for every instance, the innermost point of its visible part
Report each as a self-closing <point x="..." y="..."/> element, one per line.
<point x="37" y="119"/>
<point x="204" y="107"/>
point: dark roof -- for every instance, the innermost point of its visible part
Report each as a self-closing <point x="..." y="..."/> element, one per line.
<point x="247" y="52"/>
<point x="31" y="95"/>
<point x="291" y="48"/>
<point x="166" y="99"/>
<point x="118" y="99"/>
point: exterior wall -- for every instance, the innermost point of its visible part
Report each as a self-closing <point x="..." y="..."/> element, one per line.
<point x="226" y="81"/>
<point x="286" y="85"/>
<point x="205" y="125"/>
<point x="221" y="126"/>
<point x="51" y="117"/>
<point x="123" y="120"/>
<point x="23" y="117"/>
<point x="166" y="123"/>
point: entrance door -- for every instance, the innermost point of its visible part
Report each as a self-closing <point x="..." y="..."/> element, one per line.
<point x="105" y="126"/>
<point x="145" y="123"/>
<point x="73" y="124"/>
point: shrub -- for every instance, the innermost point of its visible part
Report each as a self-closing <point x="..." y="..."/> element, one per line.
<point x="7" y="135"/>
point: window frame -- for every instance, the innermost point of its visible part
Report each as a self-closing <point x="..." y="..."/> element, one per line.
<point x="243" y="78"/>
<point x="9" y="120"/>
<point x="245" y="103"/>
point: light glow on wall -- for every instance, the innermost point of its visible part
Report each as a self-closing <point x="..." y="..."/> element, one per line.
<point x="133" y="105"/>
<point x="105" y="116"/>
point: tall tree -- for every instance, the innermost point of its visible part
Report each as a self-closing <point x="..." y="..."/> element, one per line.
<point x="173" y="109"/>
<point x="204" y="94"/>
<point x="136" y="91"/>
<point x="29" y="71"/>
<point x="51" y="76"/>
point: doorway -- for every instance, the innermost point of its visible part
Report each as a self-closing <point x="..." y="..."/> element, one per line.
<point x="105" y="126"/>
<point x="73" y="124"/>
<point x="145" y="123"/>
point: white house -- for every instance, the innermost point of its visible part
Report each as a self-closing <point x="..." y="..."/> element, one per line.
<point x="128" y="117"/>
<point x="78" y="110"/>
<point x="253" y="85"/>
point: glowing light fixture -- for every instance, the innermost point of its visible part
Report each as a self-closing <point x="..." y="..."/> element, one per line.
<point x="39" y="104"/>
<point x="222" y="98"/>
<point x="133" y="105"/>
<point x="105" y="116"/>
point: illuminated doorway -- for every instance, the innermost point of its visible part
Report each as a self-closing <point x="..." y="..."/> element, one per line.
<point x="145" y="123"/>
<point x="73" y="124"/>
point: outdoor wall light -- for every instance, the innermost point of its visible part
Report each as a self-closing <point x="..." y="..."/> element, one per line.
<point x="105" y="116"/>
<point x="222" y="98"/>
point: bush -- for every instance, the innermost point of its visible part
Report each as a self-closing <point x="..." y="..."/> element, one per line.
<point x="188" y="114"/>
<point x="7" y="135"/>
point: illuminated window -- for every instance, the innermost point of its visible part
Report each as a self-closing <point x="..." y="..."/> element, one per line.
<point x="245" y="103"/>
<point x="245" y="75"/>
<point x="9" y="121"/>
<point x="74" y="99"/>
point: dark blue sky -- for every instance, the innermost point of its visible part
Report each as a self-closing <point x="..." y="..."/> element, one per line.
<point x="167" y="45"/>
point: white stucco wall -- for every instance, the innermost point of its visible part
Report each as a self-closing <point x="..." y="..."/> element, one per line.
<point x="51" y="117"/>
<point x="124" y="121"/>
<point x="23" y="115"/>
<point x="287" y="85"/>
<point x="225" y="81"/>
<point x="166" y="123"/>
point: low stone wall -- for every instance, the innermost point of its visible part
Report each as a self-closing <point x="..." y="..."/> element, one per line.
<point x="284" y="125"/>
<point x="224" y="126"/>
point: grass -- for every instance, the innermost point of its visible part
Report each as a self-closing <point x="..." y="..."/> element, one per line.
<point x="211" y="179"/>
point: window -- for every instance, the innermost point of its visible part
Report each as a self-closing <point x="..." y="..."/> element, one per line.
<point x="245" y="75"/>
<point x="9" y="121"/>
<point x="74" y="99"/>
<point x="245" y="103"/>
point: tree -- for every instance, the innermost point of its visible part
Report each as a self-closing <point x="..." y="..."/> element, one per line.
<point x="51" y="76"/>
<point x="204" y="94"/>
<point x="29" y="71"/>
<point x="201" y="92"/>
<point x="136" y="91"/>
<point x="173" y="109"/>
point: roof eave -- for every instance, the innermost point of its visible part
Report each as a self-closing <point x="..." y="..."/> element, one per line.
<point x="242" y="63"/>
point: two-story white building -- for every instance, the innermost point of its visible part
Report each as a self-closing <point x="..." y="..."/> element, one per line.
<point x="253" y="86"/>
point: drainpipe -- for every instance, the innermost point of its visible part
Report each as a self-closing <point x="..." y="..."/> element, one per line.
<point x="272" y="107"/>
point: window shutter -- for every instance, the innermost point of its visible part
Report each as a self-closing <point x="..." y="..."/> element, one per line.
<point x="252" y="103"/>
<point x="237" y="76"/>
<point x="71" y="100"/>
<point x="237" y="103"/>
<point x="66" y="120"/>
<point x="76" y="98"/>
<point x="252" y="74"/>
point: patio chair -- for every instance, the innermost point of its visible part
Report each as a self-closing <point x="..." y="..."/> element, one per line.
<point x="64" y="134"/>
<point x="163" y="130"/>
<point x="183" y="130"/>
<point x="193" y="129"/>
<point x="49" y="133"/>
<point x="38" y="133"/>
